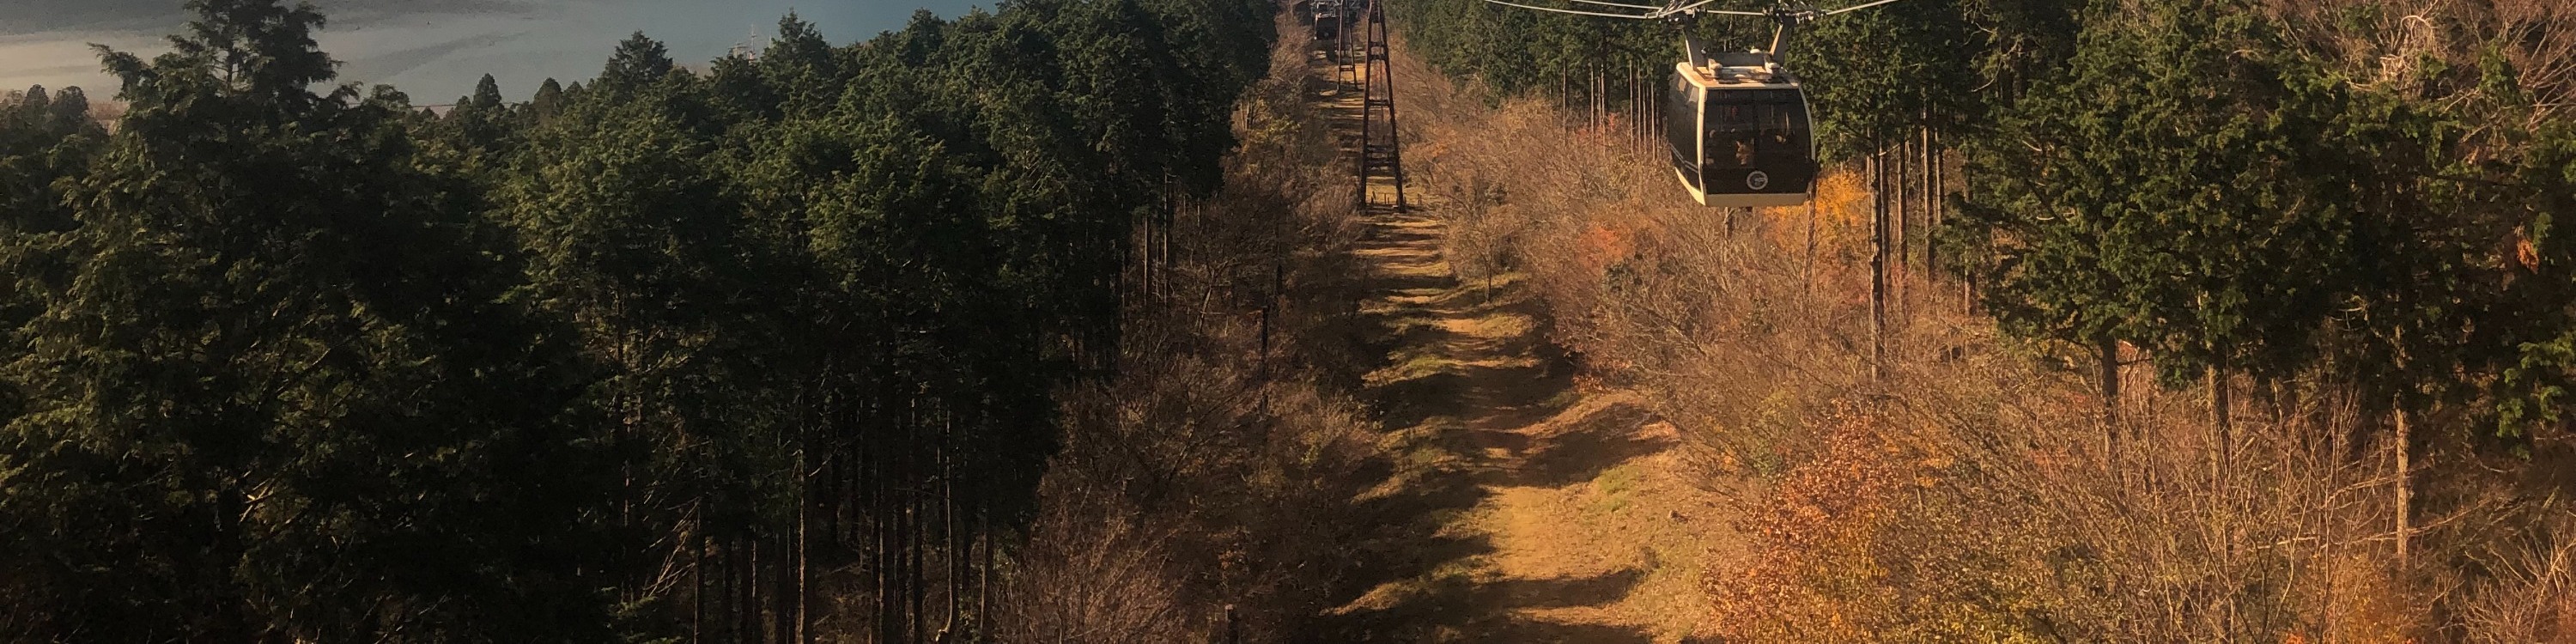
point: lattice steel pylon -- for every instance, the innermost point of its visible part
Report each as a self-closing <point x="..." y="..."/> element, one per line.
<point x="1348" y="72"/>
<point x="1381" y="153"/>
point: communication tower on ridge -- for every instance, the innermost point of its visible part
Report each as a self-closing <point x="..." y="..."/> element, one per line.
<point x="746" y="50"/>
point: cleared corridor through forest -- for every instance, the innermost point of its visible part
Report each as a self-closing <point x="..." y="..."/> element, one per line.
<point x="1525" y="506"/>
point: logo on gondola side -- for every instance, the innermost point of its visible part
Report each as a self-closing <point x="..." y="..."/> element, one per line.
<point x="1758" y="180"/>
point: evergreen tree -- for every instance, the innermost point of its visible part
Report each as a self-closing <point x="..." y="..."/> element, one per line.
<point x="639" y="61"/>
<point x="1878" y="75"/>
<point x="288" y="365"/>
<point x="487" y="94"/>
<point x="483" y="121"/>
<point x="260" y="405"/>
<point x="802" y="68"/>
<point x="548" y="101"/>
<point x="2192" y="186"/>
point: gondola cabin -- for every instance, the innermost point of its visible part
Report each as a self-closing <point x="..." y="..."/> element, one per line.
<point x="1738" y="130"/>
<point x="1328" y="19"/>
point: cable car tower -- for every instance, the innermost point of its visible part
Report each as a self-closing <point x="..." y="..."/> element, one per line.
<point x="1737" y="124"/>
<point x="1381" y="153"/>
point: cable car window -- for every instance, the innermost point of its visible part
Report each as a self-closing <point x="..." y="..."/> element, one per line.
<point x="1756" y="128"/>
<point x="1681" y="128"/>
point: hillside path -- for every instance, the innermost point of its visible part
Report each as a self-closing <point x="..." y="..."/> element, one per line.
<point x="1525" y="508"/>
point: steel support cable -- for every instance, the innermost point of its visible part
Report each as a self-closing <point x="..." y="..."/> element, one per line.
<point x="1857" y="8"/>
<point x="1623" y="6"/>
<point x="1598" y="14"/>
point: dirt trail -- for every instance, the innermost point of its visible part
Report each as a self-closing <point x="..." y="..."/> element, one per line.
<point x="1525" y="508"/>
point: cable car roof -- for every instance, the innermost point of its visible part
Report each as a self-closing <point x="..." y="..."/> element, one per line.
<point x="1724" y="72"/>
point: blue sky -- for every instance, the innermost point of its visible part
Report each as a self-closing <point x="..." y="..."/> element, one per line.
<point x="436" y="49"/>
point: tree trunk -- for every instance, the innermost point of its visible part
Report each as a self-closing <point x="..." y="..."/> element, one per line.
<point x="1171" y="216"/>
<point x="2405" y="482"/>
<point x="1931" y="210"/>
<point x="698" y="580"/>
<point x="2221" y="458"/>
<point x="2107" y="350"/>
<point x="1967" y="278"/>
<point x="914" y="567"/>
<point x="1144" y="253"/>
<point x="809" y="412"/>
<point x="756" y="576"/>
<point x="882" y="528"/>
<point x="1807" y="275"/>
<point x="949" y="553"/>
<point x="804" y="571"/>
<point x="2325" y="522"/>
<point x="1904" y="186"/>
<point x="779" y="587"/>
<point x="738" y="565"/>
<point x="1878" y="266"/>
<point x="984" y="584"/>
<point x="2223" y="437"/>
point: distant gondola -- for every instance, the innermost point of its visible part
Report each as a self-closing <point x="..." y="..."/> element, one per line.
<point x="1328" y="19"/>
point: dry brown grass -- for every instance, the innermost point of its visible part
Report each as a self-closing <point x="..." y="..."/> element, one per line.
<point x="1973" y="494"/>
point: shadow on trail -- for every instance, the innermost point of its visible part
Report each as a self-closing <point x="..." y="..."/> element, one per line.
<point x="1459" y="609"/>
<point x="1586" y="449"/>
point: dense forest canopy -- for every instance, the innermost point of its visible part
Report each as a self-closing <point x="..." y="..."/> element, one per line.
<point x="627" y="361"/>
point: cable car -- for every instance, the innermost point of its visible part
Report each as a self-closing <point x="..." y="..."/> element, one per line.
<point x="1738" y="130"/>
<point x="1737" y="125"/>
<point x="1328" y="19"/>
